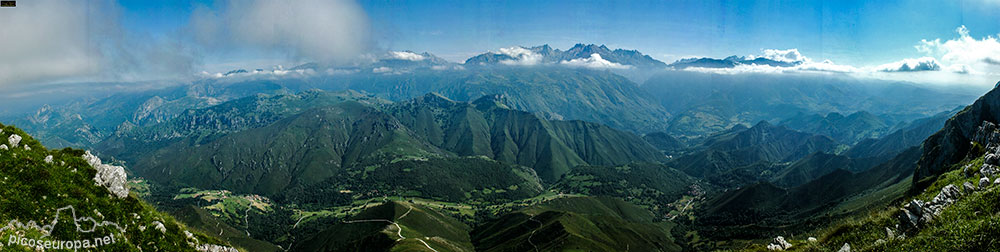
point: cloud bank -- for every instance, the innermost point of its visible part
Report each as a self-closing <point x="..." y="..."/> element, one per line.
<point x="45" y="40"/>
<point x="977" y="55"/>
<point x="329" y="31"/>
<point x="54" y="41"/>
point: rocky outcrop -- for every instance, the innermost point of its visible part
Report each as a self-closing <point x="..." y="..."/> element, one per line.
<point x="989" y="170"/>
<point x="14" y="140"/>
<point x="112" y="177"/>
<point x="915" y="214"/>
<point x="779" y="244"/>
<point x="951" y="144"/>
<point x="159" y="226"/>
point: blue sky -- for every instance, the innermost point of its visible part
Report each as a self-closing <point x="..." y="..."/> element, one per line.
<point x="847" y="32"/>
<point x="852" y="32"/>
<point x="117" y="39"/>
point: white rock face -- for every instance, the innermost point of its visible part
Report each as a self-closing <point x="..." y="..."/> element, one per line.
<point x="845" y="248"/>
<point x="26" y="147"/>
<point x="159" y="226"/>
<point x="214" y="248"/>
<point x="14" y="140"/>
<point x="779" y="244"/>
<point x="109" y="176"/>
<point x="983" y="183"/>
<point x="3" y="147"/>
<point x="48" y="159"/>
<point x="812" y="239"/>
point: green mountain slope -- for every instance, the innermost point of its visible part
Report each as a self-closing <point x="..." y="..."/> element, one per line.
<point x="815" y="166"/>
<point x="302" y="149"/>
<point x="845" y="129"/>
<point x="747" y="155"/>
<point x="910" y="134"/>
<point x="87" y="206"/>
<point x="341" y="139"/>
<point x="576" y="224"/>
<point x="761" y="210"/>
<point x="392" y="226"/>
<point x="664" y="142"/>
<point x="488" y="127"/>
<point x="649" y="185"/>
<point x="205" y="124"/>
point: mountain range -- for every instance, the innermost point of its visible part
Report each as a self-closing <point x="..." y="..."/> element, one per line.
<point x="544" y="54"/>
<point x="254" y="151"/>
<point x="522" y="149"/>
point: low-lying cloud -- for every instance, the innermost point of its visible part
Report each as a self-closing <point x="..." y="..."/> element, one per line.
<point x="411" y="56"/>
<point x="911" y="65"/>
<point x="522" y="56"/>
<point x="787" y="55"/>
<point x="594" y="61"/>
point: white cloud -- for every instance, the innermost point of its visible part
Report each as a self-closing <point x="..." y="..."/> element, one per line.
<point x="58" y="41"/>
<point x="826" y="66"/>
<point x="522" y="56"/>
<point x="332" y="71"/>
<point x="979" y="55"/>
<point x="406" y="56"/>
<point x="741" y="69"/>
<point x="594" y="61"/>
<point x="910" y="65"/>
<point x="44" y="40"/>
<point x="276" y="71"/>
<point x="447" y="67"/>
<point x="382" y="70"/>
<point x="788" y="55"/>
<point x="317" y="30"/>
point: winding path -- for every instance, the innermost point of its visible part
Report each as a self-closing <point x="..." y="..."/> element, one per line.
<point x="297" y="222"/>
<point x="399" y="230"/>
<point x="532" y="218"/>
